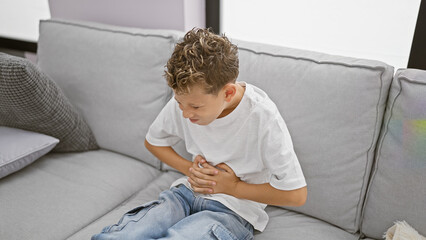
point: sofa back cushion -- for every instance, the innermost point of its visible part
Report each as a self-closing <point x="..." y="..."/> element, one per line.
<point x="113" y="75"/>
<point x="333" y="107"/>
<point x="397" y="190"/>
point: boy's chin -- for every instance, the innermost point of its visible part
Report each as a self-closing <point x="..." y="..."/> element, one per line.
<point x="201" y="123"/>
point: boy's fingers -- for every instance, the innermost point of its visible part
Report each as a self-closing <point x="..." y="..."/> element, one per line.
<point x="225" y="167"/>
<point x="209" y="171"/>
<point x="200" y="182"/>
<point x="207" y="165"/>
<point x="199" y="159"/>
<point x="199" y="174"/>
<point x="196" y="164"/>
<point x="192" y="182"/>
<point x="206" y="168"/>
<point x="203" y="190"/>
<point x="201" y="179"/>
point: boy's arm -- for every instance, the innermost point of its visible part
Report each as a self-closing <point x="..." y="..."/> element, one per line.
<point x="227" y="182"/>
<point x="170" y="157"/>
<point x="267" y="194"/>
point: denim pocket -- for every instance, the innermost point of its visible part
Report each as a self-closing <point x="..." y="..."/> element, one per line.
<point x="221" y="233"/>
<point x="146" y="205"/>
<point x="133" y="215"/>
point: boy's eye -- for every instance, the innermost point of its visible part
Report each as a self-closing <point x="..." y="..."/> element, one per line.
<point x="195" y="107"/>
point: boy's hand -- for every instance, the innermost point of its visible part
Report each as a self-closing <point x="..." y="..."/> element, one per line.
<point x="209" y="179"/>
<point x="226" y="180"/>
<point x="200" y="174"/>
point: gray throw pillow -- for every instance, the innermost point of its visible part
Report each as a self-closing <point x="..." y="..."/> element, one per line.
<point x="30" y="100"/>
<point x="19" y="148"/>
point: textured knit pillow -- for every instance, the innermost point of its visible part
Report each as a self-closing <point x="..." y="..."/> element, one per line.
<point x="30" y="100"/>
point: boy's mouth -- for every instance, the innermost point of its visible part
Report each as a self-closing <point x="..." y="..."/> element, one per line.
<point x="193" y="120"/>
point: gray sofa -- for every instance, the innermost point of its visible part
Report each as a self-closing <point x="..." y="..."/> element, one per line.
<point x="359" y="131"/>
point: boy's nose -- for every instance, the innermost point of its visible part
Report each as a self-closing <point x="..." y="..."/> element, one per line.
<point x="187" y="114"/>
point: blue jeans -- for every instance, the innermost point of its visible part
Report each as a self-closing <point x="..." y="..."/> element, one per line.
<point x="178" y="214"/>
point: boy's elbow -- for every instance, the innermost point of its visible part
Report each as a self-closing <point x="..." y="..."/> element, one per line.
<point x="147" y="145"/>
<point x="302" y="196"/>
<point x="300" y="202"/>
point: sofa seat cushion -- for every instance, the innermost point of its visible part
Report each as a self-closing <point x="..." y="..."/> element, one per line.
<point x="147" y="194"/>
<point x="63" y="192"/>
<point x="285" y="224"/>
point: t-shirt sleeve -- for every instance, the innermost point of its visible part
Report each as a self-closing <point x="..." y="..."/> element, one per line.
<point x="279" y="157"/>
<point x="165" y="131"/>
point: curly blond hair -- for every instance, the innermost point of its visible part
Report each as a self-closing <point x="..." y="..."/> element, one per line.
<point x="202" y="58"/>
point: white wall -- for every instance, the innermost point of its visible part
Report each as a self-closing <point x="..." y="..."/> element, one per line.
<point x="194" y="14"/>
<point x="160" y="14"/>
<point x="373" y="29"/>
<point x="19" y="18"/>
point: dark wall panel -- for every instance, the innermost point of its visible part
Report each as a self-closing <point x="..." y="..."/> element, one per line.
<point x="418" y="48"/>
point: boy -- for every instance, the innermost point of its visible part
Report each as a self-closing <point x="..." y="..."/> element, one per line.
<point x="243" y="153"/>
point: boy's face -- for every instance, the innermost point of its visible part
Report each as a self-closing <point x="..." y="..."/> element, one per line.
<point x="201" y="108"/>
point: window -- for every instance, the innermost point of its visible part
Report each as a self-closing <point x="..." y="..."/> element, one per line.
<point x="19" y="19"/>
<point x="374" y="29"/>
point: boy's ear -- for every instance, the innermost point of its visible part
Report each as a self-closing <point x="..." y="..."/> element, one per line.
<point x="230" y="91"/>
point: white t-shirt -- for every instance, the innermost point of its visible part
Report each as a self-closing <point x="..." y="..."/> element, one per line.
<point x="253" y="140"/>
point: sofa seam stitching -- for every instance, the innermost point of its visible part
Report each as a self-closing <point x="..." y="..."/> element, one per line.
<point x="402" y="77"/>
<point x="105" y="30"/>
<point x="381" y="68"/>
